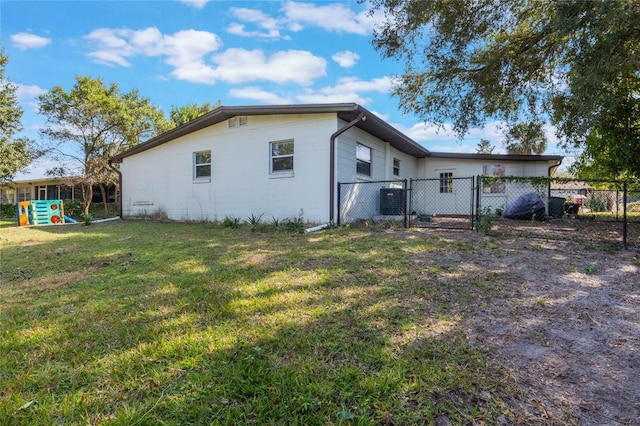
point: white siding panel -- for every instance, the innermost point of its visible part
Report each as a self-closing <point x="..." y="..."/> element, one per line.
<point x="241" y="184"/>
<point x="382" y="155"/>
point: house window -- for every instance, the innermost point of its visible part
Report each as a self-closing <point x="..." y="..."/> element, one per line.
<point x="24" y="194"/>
<point x="202" y="165"/>
<point x="446" y="182"/>
<point x="7" y="195"/>
<point x="396" y="167"/>
<point x="363" y="160"/>
<point x="281" y="153"/>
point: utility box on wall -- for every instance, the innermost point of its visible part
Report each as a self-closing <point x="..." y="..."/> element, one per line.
<point x="392" y="201"/>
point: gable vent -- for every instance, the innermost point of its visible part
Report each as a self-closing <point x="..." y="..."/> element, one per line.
<point x="237" y="121"/>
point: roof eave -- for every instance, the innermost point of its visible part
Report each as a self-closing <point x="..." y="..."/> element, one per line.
<point x="345" y="111"/>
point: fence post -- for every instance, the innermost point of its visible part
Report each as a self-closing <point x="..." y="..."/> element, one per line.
<point x="339" y="204"/>
<point x="624" y="215"/>
<point x="473" y="185"/>
<point x="404" y="188"/>
<point x="477" y="215"/>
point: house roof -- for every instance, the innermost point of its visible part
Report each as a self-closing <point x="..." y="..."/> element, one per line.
<point x="345" y="111"/>
<point x="373" y="125"/>
<point x="553" y="161"/>
<point x="474" y="156"/>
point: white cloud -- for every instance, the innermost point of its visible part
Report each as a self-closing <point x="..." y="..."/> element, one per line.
<point x="331" y="17"/>
<point x="348" y="90"/>
<point x="184" y="50"/>
<point x="28" y="95"/>
<point x="444" y="139"/>
<point x="28" y="92"/>
<point x="240" y="30"/>
<point x="24" y="41"/>
<point x="259" y="94"/>
<point x="241" y="65"/>
<point x="335" y="17"/>
<point x="270" y="27"/>
<point x="198" y="4"/>
<point x="346" y="59"/>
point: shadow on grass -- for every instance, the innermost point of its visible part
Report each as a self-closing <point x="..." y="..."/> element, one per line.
<point x="148" y="323"/>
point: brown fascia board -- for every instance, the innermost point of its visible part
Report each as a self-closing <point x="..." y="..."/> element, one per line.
<point x="345" y="111"/>
<point x="473" y="156"/>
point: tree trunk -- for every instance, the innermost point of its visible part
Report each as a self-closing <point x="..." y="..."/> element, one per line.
<point x="104" y="199"/>
<point x="88" y="196"/>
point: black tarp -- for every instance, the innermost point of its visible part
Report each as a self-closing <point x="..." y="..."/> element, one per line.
<point x="526" y="207"/>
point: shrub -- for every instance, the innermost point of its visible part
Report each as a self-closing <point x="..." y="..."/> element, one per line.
<point x="596" y="204"/>
<point x="485" y="219"/>
<point x="8" y="210"/>
<point x="231" y="222"/>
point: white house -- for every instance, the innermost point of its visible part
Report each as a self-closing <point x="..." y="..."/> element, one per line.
<point x="278" y="160"/>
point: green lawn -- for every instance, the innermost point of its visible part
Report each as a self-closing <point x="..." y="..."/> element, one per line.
<point x="140" y="323"/>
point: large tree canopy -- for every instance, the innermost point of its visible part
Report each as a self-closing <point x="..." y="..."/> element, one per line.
<point x="93" y="122"/>
<point x="15" y="154"/>
<point x="612" y="150"/>
<point x="181" y="115"/>
<point x="517" y="61"/>
<point x="526" y="138"/>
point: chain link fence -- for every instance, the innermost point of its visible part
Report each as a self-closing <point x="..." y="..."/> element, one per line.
<point x="600" y="211"/>
<point x="605" y="211"/>
<point x="445" y="202"/>
<point x="372" y="201"/>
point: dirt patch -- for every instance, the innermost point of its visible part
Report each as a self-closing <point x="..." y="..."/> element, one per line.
<point x="561" y="317"/>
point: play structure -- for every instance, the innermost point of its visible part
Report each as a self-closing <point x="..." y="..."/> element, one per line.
<point x="41" y="212"/>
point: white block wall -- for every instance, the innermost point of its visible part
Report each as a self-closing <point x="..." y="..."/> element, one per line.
<point x="161" y="179"/>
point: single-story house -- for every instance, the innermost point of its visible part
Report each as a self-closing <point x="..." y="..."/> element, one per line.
<point x="38" y="188"/>
<point x="280" y="160"/>
<point x="47" y="188"/>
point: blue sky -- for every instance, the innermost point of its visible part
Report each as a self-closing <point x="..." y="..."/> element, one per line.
<point x="183" y="52"/>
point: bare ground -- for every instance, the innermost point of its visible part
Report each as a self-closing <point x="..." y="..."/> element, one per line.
<point x="558" y="313"/>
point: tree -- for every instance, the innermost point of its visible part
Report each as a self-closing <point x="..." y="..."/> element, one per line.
<point x="530" y="60"/>
<point x="526" y="138"/>
<point x="93" y="122"/>
<point x="484" y="147"/>
<point x="181" y="115"/>
<point x="611" y="149"/>
<point x="15" y="154"/>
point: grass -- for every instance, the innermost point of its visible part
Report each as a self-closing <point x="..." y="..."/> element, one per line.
<point x="141" y="323"/>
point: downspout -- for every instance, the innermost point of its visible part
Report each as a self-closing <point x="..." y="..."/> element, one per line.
<point x="332" y="160"/>
<point x="549" y="189"/>
<point x="111" y="166"/>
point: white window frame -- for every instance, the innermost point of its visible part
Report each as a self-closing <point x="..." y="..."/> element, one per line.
<point x="446" y="182"/>
<point x="7" y="195"/>
<point x="24" y="193"/>
<point x="196" y="165"/>
<point x="396" y="167"/>
<point x="273" y="157"/>
<point x="361" y="159"/>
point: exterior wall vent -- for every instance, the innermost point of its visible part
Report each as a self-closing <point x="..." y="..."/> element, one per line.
<point x="237" y="121"/>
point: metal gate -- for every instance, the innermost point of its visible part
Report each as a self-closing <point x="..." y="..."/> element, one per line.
<point x="445" y="202"/>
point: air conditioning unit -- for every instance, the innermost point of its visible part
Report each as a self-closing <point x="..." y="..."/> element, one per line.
<point x="392" y="201"/>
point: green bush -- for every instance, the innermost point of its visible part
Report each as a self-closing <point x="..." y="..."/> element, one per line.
<point x="8" y="210"/>
<point x="72" y="208"/>
<point x="596" y="204"/>
<point x="485" y="219"/>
